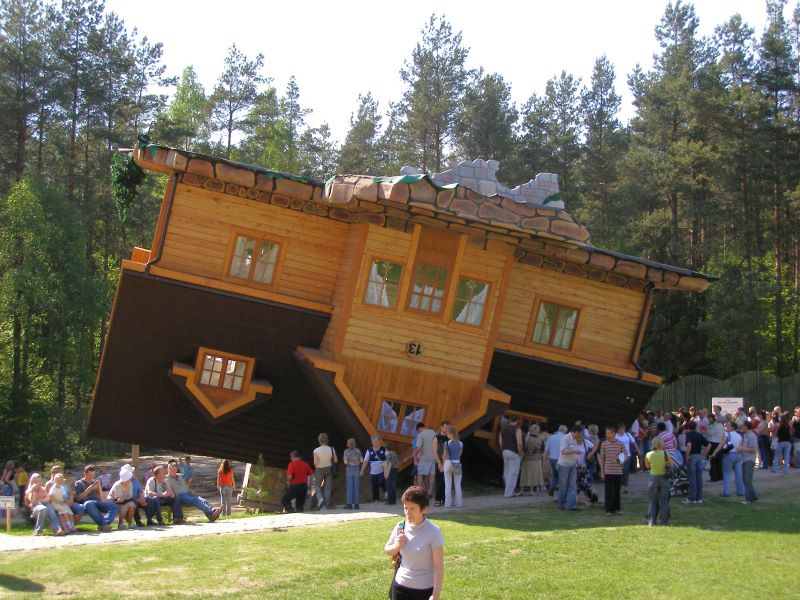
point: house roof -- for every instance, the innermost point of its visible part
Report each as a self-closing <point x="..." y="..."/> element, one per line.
<point x="543" y="235"/>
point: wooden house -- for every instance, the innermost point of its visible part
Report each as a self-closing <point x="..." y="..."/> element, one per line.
<point x="271" y="307"/>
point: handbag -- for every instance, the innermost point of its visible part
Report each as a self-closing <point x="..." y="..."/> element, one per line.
<point x="334" y="463"/>
<point x="456" y="465"/>
<point x="396" y="559"/>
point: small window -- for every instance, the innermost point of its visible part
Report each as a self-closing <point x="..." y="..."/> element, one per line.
<point x="470" y="304"/>
<point x="400" y="417"/>
<point x="223" y="372"/>
<point x="555" y="325"/>
<point x="383" y="284"/>
<point x="428" y="288"/>
<point x="254" y="259"/>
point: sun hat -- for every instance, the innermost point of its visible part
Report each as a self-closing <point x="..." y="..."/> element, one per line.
<point x="125" y="475"/>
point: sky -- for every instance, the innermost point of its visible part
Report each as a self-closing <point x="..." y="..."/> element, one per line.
<point x="338" y="50"/>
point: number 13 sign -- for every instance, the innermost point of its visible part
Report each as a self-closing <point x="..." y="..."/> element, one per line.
<point x="413" y="349"/>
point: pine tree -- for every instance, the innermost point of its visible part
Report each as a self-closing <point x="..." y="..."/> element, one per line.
<point x="436" y="81"/>
<point x="487" y="125"/>
<point x="361" y="152"/>
<point x="235" y="92"/>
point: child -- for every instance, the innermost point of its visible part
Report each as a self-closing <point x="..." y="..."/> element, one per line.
<point x="22" y="483"/>
<point x="226" y="485"/>
<point x="38" y="500"/>
<point x="58" y="500"/>
<point x="105" y="479"/>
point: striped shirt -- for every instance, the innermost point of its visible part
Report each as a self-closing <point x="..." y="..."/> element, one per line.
<point x="609" y="457"/>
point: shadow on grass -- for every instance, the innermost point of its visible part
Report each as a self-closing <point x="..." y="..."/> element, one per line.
<point x="776" y="513"/>
<point x="19" y="584"/>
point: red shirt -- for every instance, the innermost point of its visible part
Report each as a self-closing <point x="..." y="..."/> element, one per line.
<point x="298" y="472"/>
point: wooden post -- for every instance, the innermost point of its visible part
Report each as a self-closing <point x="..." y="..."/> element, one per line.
<point x="135" y="455"/>
<point x="8" y="520"/>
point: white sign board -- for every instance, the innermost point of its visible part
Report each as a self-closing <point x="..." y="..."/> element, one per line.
<point x="8" y="502"/>
<point x="729" y="405"/>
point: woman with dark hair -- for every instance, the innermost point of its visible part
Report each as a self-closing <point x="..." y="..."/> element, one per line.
<point x="226" y="485"/>
<point x="783" y="448"/>
<point x="419" y="545"/>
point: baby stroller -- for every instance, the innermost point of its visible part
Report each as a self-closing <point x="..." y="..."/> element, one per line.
<point x="679" y="481"/>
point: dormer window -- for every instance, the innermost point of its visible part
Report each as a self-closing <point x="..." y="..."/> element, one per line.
<point x="221" y="383"/>
<point x="223" y="372"/>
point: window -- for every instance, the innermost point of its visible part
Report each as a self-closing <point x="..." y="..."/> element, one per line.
<point x="400" y="417"/>
<point x="428" y="288"/>
<point x="222" y="372"/>
<point x="254" y="259"/>
<point x="383" y="284"/>
<point x="555" y="325"/>
<point x="220" y="383"/>
<point x="470" y="304"/>
<point x="433" y="265"/>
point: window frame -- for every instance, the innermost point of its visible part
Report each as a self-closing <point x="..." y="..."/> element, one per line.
<point x="217" y="391"/>
<point x="453" y="265"/>
<point x="486" y="306"/>
<point x="529" y="341"/>
<point x="403" y="262"/>
<point x="404" y="403"/>
<point x="258" y="236"/>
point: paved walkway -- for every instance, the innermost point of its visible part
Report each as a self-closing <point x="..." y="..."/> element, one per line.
<point x="763" y="481"/>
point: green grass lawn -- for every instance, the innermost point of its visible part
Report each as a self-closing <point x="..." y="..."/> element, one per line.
<point x="721" y="549"/>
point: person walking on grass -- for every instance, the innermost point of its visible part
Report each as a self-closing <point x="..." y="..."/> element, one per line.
<point x="571" y="448"/>
<point x="612" y="464"/>
<point x="695" y="454"/>
<point x="226" y="486"/>
<point x="660" y="464"/>
<point x="748" y="450"/>
<point x="511" y="445"/>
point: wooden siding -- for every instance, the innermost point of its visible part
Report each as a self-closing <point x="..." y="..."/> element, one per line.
<point x="609" y="317"/>
<point x="378" y="334"/>
<point x="346" y="283"/>
<point x="202" y="222"/>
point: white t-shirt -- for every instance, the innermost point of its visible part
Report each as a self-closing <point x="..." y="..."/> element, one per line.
<point x="416" y="566"/>
<point x="735" y="439"/>
<point x="324" y="456"/>
<point x="425" y="441"/>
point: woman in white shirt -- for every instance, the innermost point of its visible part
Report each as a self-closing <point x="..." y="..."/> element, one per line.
<point x="420" y="546"/>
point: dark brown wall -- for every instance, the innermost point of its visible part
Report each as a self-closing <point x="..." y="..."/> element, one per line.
<point x="155" y="322"/>
<point x="565" y="394"/>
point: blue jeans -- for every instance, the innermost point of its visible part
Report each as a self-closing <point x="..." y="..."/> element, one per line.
<point x="731" y="463"/>
<point x="42" y="512"/>
<point x="391" y="487"/>
<point x="189" y="499"/>
<point x="658" y="499"/>
<point x="748" y="466"/>
<point x="553" y="483"/>
<point x="695" y="472"/>
<point x="568" y="490"/>
<point x="782" y="450"/>
<point x="97" y="508"/>
<point x="353" y="481"/>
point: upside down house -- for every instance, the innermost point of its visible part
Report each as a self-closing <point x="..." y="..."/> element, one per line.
<point x="271" y="307"/>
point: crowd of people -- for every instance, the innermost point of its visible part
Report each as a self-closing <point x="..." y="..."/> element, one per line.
<point x="729" y="446"/>
<point x="130" y="501"/>
<point x="436" y="467"/>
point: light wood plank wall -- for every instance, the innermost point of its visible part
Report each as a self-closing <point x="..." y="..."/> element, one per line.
<point x="382" y="335"/>
<point x="201" y="224"/>
<point x="609" y="317"/>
